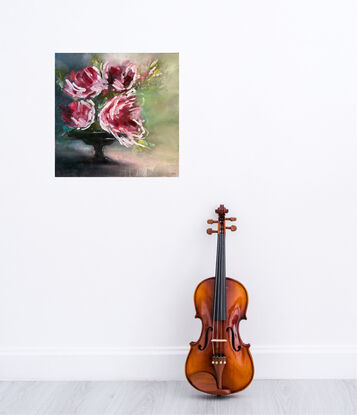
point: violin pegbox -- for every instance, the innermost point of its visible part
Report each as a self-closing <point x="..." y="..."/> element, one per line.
<point x="221" y="212"/>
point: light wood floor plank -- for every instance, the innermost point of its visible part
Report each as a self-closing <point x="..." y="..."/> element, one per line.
<point x="263" y="397"/>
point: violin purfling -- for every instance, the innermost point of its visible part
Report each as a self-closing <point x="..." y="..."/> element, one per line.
<point x="219" y="363"/>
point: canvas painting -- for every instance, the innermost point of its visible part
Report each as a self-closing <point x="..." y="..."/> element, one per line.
<point x="117" y="115"/>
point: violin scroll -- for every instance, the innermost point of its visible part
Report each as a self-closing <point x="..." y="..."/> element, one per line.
<point x="221" y="212"/>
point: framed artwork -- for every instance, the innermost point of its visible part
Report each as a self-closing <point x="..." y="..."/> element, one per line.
<point x="117" y="115"/>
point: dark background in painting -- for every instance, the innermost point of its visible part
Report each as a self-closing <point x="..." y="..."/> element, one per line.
<point x="75" y="158"/>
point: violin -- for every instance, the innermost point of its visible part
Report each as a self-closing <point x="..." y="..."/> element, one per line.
<point x="219" y="363"/>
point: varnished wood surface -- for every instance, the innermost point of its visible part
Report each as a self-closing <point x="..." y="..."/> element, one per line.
<point x="264" y="397"/>
<point x="239" y="370"/>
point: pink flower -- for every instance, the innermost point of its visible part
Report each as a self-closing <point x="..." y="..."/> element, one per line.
<point x="86" y="83"/>
<point x="121" y="117"/>
<point x="78" y="114"/>
<point x="120" y="78"/>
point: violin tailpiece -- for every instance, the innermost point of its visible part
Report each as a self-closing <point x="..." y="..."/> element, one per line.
<point x="219" y="363"/>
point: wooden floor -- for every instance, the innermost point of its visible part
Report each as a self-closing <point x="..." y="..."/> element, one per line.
<point x="263" y="397"/>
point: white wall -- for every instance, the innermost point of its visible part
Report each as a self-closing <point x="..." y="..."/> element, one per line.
<point x="97" y="274"/>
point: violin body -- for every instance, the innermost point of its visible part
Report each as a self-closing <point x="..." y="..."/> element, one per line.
<point x="219" y="362"/>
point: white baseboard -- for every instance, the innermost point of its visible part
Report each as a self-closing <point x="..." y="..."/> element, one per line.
<point x="167" y="363"/>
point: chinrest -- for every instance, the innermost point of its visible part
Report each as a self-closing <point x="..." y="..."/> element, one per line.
<point x="206" y="382"/>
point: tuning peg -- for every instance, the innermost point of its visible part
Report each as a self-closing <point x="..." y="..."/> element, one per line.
<point x="232" y="228"/>
<point x="232" y="219"/>
<point x="210" y="231"/>
<point x="210" y="221"/>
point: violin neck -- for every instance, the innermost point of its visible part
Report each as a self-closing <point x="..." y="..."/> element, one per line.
<point x="219" y="306"/>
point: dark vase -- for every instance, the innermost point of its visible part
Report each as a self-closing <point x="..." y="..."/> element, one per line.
<point x="97" y="139"/>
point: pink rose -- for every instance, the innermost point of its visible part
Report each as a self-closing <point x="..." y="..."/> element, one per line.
<point x="86" y="83"/>
<point x="121" y="117"/>
<point x="78" y="114"/>
<point x="120" y="78"/>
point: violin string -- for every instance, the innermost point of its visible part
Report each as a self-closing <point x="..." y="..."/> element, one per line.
<point x="223" y="284"/>
<point x="221" y="297"/>
<point x="222" y="293"/>
<point x="215" y="307"/>
<point x="219" y="293"/>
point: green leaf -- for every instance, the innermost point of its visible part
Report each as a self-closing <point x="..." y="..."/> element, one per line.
<point x="144" y="145"/>
<point x="152" y="79"/>
<point x="97" y="61"/>
<point x="60" y="77"/>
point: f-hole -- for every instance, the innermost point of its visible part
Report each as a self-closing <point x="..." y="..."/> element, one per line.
<point x="206" y="339"/>
<point x="233" y="343"/>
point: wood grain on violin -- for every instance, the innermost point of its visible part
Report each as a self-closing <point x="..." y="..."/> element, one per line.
<point x="220" y="363"/>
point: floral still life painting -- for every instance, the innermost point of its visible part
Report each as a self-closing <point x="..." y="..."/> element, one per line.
<point x="117" y="115"/>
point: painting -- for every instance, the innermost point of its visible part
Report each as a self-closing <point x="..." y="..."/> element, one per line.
<point x="117" y="115"/>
